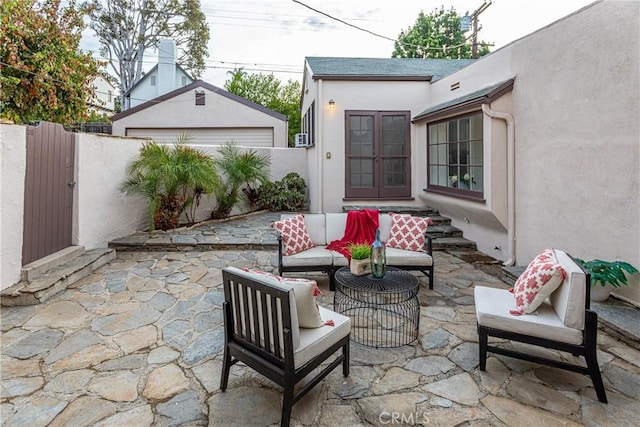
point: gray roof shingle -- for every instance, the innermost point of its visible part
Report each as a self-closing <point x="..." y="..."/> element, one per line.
<point x="384" y="68"/>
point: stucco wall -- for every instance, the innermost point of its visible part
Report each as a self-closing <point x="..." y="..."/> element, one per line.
<point x="101" y="212"/>
<point x="577" y="136"/>
<point x="218" y="112"/>
<point x="13" y="156"/>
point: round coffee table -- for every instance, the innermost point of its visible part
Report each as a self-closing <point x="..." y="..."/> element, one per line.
<point x="384" y="312"/>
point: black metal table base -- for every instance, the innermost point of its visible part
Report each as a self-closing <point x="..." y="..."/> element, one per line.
<point x="384" y="312"/>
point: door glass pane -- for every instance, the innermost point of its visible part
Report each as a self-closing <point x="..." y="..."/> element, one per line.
<point x="361" y="136"/>
<point x="361" y="173"/>
<point x="394" y="172"/>
<point x="393" y="135"/>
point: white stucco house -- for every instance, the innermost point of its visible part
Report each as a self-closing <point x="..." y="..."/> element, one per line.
<point x="209" y="114"/>
<point x="166" y="76"/>
<point x="535" y="145"/>
<point x="104" y="97"/>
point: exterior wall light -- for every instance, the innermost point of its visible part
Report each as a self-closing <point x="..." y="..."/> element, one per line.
<point x="332" y="104"/>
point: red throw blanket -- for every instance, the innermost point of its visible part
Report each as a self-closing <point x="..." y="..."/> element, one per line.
<point x="360" y="228"/>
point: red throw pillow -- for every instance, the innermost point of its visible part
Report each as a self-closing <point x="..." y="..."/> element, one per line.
<point x="408" y="232"/>
<point x="294" y="234"/>
<point x="542" y="276"/>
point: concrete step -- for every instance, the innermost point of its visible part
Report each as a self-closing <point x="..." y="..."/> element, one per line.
<point x="453" y="244"/>
<point x="56" y="279"/>
<point x="412" y="210"/>
<point x="437" y="231"/>
<point x="40" y="266"/>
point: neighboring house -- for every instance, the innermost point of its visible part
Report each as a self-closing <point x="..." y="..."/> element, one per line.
<point x="212" y="116"/>
<point x="534" y="145"/>
<point x="164" y="77"/>
<point x="103" y="100"/>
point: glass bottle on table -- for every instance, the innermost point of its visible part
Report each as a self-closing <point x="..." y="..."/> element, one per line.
<point x="378" y="257"/>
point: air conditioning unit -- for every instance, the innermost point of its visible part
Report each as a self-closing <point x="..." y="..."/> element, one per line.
<point x="302" y="140"/>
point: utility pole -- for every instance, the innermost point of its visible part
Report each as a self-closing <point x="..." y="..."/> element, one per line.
<point x="474" y="17"/>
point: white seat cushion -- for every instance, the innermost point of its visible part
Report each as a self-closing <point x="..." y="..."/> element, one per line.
<point x="339" y="260"/>
<point x="316" y="256"/>
<point x="336" y="224"/>
<point x="314" y="223"/>
<point x="492" y="311"/>
<point x="315" y="341"/>
<point x="410" y="258"/>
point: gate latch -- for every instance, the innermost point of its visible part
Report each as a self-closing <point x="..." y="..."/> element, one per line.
<point x="71" y="184"/>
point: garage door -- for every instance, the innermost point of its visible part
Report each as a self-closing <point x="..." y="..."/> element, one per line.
<point x="248" y="137"/>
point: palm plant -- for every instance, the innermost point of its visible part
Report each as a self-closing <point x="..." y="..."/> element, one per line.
<point x="237" y="169"/>
<point x="171" y="178"/>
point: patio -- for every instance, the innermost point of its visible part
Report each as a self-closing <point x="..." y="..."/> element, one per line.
<point x="138" y="343"/>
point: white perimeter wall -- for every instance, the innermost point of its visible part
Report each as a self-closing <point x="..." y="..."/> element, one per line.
<point x="101" y="212"/>
<point x="13" y="156"/>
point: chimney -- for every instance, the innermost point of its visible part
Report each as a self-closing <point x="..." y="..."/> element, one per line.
<point x="166" y="66"/>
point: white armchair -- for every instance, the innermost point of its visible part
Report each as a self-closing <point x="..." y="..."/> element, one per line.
<point x="563" y="322"/>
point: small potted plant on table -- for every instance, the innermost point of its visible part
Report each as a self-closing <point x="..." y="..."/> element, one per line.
<point x="360" y="263"/>
<point x="607" y="274"/>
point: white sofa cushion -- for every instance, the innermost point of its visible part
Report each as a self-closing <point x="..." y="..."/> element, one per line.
<point x="409" y="258"/>
<point x="492" y="311"/>
<point x="336" y="224"/>
<point x="315" y="341"/>
<point x="570" y="298"/>
<point x="317" y="255"/>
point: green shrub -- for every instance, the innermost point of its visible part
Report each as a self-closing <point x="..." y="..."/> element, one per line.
<point x="172" y="179"/>
<point x="288" y="194"/>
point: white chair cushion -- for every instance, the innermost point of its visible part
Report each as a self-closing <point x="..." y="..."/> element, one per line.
<point x="315" y="256"/>
<point x="569" y="299"/>
<point x="492" y="311"/>
<point x="409" y="258"/>
<point x="315" y="341"/>
<point x="314" y="224"/>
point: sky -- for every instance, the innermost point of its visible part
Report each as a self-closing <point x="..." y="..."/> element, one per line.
<point x="265" y="36"/>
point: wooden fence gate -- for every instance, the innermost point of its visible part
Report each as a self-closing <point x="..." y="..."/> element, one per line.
<point x="48" y="192"/>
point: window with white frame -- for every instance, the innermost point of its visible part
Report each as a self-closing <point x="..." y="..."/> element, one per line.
<point x="153" y="80"/>
<point x="455" y="155"/>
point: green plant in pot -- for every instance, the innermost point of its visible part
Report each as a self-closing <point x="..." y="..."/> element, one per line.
<point x="360" y="254"/>
<point x="603" y="273"/>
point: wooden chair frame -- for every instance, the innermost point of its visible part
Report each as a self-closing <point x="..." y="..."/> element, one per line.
<point x="264" y="354"/>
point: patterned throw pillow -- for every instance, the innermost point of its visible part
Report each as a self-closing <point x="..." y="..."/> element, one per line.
<point x="408" y="232"/>
<point x="542" y="276"/>
<point x="305" y="292"/>
<point x="294" y="234"/>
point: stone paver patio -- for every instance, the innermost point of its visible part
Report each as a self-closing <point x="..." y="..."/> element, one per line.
<point x="138" y="343"/>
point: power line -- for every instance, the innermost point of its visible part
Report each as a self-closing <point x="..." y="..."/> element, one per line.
<point x="376" y="34"/>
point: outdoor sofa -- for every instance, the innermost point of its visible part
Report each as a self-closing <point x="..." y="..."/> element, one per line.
<point x="327" y="227"/>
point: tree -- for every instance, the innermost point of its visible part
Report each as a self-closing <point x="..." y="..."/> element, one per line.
<point x="127" y="28"/>
<point x="266" y="90"/>
<point x="437" y="35"/>
<point x="44" y="76"/>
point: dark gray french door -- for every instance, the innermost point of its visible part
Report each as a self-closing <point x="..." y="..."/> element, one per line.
<point x="378" y="154"/>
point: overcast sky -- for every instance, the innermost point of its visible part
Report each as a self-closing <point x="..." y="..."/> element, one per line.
<point x="275" y="35"/>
